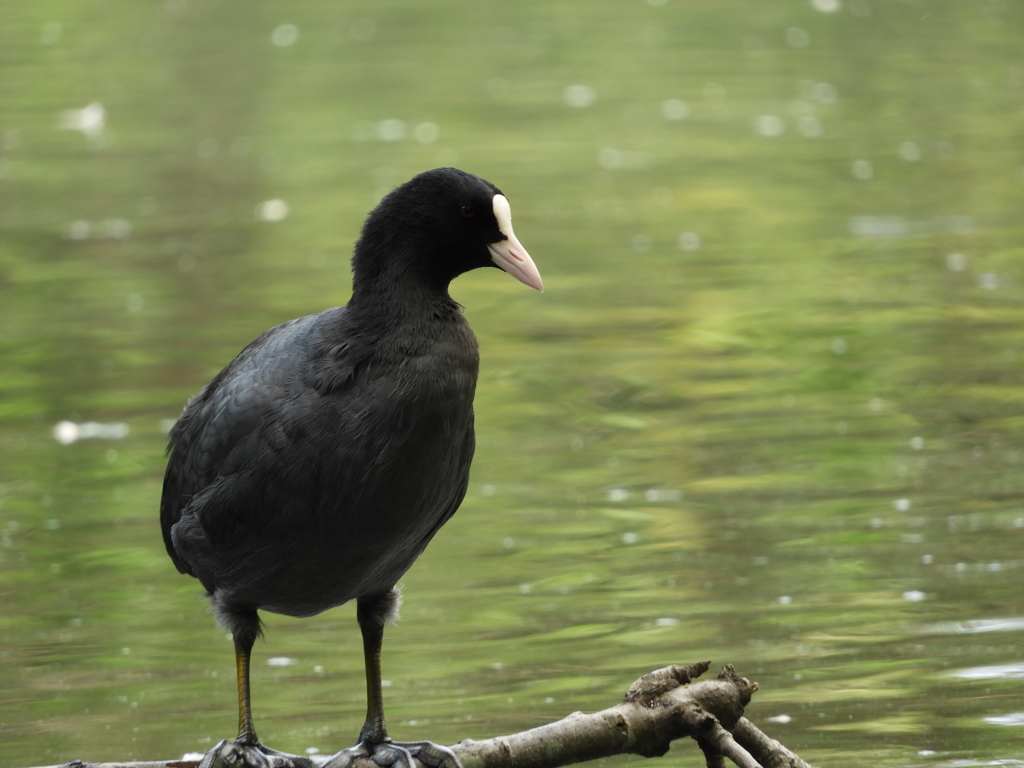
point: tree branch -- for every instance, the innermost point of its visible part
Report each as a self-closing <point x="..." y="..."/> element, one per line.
<point x="768" y="752"/>
<point x="659" y="708"/>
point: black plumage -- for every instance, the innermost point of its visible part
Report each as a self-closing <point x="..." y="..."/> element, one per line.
<point x="320" y="462"/>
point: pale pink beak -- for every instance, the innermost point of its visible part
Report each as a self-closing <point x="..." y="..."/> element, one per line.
<point x="509" y="253"/>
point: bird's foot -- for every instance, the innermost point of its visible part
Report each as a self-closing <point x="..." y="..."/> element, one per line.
<point x="394" y="754"/>
<point x="231" y="754"/>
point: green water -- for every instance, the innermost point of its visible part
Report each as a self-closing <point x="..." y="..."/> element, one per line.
<point x="769" y="411"/>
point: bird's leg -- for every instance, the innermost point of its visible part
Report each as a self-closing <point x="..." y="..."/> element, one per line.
<point x="243" y="651"/>
<point x="374" y="730"/>
<point x="246" y="751"/>
<point x="374" y="742"/>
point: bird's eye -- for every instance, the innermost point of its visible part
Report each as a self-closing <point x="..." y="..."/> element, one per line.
<point x="468" y="211"/>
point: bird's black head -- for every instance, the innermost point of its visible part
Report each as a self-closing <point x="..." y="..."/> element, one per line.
<point x="436" y="226"/>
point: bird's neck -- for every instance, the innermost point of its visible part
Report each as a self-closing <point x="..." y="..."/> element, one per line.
<point x="398" y="300"/>
<point x="399" y="287"/>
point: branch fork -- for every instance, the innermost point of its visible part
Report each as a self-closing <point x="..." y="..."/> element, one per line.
<point x="662" y="706"/>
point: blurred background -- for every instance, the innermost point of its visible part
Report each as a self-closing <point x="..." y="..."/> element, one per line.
<point x="769" y="411"/>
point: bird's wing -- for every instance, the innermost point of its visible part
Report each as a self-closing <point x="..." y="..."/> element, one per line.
<point x="467" y="449"/>
<point x="233" y="418"/>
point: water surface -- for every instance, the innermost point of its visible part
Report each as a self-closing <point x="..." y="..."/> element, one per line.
<point x="768" y="411"/>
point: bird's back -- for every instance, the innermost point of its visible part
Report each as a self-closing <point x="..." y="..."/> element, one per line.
<point x="320" y="462"/>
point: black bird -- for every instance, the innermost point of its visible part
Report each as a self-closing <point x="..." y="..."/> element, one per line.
<point x="316" y="467"/>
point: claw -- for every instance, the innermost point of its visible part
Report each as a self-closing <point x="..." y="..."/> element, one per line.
<point x="225" y="755"/>
<point x="231" y="754"/>
<point x="433" y="755"/>
<point x="346" y="757"/>
<point x="394" y="754"/>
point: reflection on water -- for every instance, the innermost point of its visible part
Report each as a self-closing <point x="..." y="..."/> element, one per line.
<point x="989" y="673"/>
<point x="768" y="411"/>
<point x="979" y="625"/>
<point x="67" y="432"/>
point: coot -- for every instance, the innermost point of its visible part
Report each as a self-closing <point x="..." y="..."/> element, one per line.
<point x="316" y="467"/>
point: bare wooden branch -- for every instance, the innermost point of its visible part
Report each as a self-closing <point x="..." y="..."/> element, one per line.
<point x="659" y="708"/>
<point x="717" y="744"/>
<point x="768" y="752"/>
